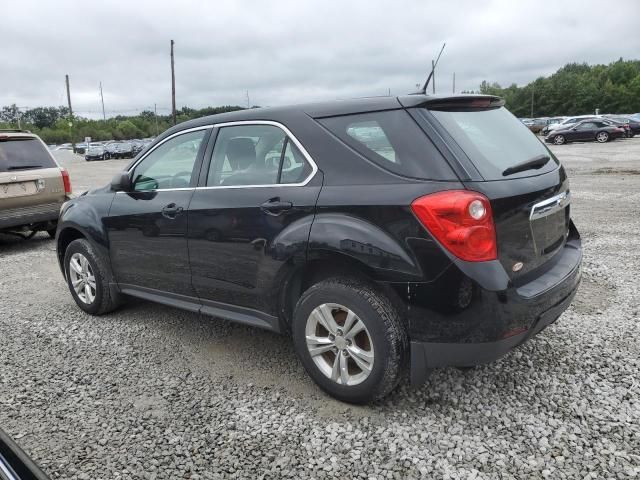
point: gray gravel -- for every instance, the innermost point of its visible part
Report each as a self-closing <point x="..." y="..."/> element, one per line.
<point x="156" y="393"/>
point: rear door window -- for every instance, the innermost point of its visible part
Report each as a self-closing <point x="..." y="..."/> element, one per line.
<point x="393" y="141"/>
<point x="23" y="153"/>
<point x="494" y="140"/>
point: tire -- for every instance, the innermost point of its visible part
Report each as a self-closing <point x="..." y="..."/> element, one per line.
<point x="602" y="137"/>
<point x="383" y="340"/>
<point x="559" y="140"/>
<point x="104" y="299"/>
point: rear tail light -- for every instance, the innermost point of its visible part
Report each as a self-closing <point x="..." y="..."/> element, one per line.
<point x="66" y="180"/>
<point x="461" y="221"/>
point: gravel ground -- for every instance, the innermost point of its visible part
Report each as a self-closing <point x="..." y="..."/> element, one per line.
<point x="152" y="392"/>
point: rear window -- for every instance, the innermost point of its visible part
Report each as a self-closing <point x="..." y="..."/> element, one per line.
<point x="494" y="140"/>
<point x="24" y="153"/>
<point x="393" y="141"/>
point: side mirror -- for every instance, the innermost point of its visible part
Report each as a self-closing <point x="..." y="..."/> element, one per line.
<point x="121" y="182"/>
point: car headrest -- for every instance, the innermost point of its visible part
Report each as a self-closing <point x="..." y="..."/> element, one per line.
<point x="241" y="153"/>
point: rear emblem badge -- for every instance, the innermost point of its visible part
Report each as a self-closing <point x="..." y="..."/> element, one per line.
<point x="517" y="266"/>
<point x="40" y="184"/>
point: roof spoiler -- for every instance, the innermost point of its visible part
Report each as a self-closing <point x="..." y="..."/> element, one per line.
<point x="454" y="103"/>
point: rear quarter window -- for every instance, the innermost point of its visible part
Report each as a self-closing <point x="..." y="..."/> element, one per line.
<point x="23" y="153"/>
<point x="392" y="140"/>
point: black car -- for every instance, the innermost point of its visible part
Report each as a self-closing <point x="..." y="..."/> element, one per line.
<point x="380" y="233"/>
<point x="599" y="130"/>
<point x="124" y="150"/>
<point x="632" y="126"/>
<point x="96" y="153"/>
<point x="15" y="464"/>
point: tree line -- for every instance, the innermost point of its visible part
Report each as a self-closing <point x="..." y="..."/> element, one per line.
<point x="575" y="89"/>
<point x="52" y="123"/>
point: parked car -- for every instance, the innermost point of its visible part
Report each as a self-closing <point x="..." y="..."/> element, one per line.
<point x="632" y="125"/>
<point x="569" y="122"/>
<point x="111" y="149"/>
<point x="137" y="146"/>
<point x="15" y="464"/>
<point x="96" y="153"/>
<point x="617" y="123"/>
<point x="599" y="130"/>
<point x="124" y="150"/>
<point x="33" y="186"/>
<point x="536" y="124"/>
<point x="378" y="233"/>
<point x="551" y="121"/>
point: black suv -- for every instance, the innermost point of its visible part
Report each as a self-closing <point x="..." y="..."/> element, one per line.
<point x="382" y="234"/>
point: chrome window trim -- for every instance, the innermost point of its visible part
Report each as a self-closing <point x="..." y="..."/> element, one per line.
<point x="308" y="158"/>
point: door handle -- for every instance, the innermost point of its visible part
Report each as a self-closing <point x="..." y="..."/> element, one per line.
<point x="275" y="206"/>
<point x="171" y="210"/>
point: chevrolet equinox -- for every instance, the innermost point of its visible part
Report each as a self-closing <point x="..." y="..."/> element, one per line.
<point x="384" y="235"/>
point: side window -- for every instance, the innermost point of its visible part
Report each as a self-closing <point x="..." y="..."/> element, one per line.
<point x="586" y="126"/>
<point x="295" y="168"/>
<point x="170" y="165"/>
<point x="371" y="135"/>
<point x="253" y="155"/>
<point x="393" y="140"/>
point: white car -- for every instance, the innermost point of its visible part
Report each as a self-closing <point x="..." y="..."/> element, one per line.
<point x="570" y="121"/>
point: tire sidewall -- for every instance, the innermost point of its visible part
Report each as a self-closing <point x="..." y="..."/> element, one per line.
<point x="82" y="246"/>
<point x="559" y="142"/>
<point x="336" y="293"/>
<point x="606" y="138"/>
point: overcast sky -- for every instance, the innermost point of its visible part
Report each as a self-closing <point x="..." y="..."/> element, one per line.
<point x="291" y="51"/>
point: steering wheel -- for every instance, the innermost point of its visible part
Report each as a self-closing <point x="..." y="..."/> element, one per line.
<point x="178" y="182"/>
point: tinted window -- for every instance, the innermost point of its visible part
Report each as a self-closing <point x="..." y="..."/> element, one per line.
<point x="392" y="140"/>
<point x="170" y="165"/>
<point x="586" y="126"/>
<point x="295" y="168"/>
<point x="23" y="154"/>
<point x="494" y="140"/>
<point x="255" y="155"/>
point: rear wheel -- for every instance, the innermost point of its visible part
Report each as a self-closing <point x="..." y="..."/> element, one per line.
<point x="88" y="278"/>
<point x="350" y="339"/>
<point x="602" y="137"/>
<point x="558" y="139"/>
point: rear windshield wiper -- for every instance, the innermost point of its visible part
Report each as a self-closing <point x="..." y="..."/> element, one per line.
<point x="22" y="167"/>
<point x="536" y="162"/>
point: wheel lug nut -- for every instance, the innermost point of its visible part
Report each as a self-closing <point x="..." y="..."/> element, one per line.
<point x="332" y="337"/>
<point x="345" y="353"/>
<point x="339" y="332"/>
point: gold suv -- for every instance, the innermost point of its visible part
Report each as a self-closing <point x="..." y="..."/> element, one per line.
<point x="33" y="186"/>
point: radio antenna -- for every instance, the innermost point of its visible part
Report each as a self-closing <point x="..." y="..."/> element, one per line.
<point x="433" y="69"/>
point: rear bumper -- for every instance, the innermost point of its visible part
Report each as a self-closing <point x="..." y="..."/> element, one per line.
<point x="498" y="322"/>
<point x="18" y="217"/>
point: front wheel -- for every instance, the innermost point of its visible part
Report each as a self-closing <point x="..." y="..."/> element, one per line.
<point x="351" y="339"/>
<point x="602" y="137"/>
<point x="88" y="278"/>
<point x="558" y="140"/>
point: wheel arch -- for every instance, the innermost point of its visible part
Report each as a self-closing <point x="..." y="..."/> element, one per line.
<point x="321" y="266"/>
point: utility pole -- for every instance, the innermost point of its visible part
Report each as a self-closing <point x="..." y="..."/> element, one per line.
<point x="104" y="117"/>
<point x="433" y="72"/>
<point x="248" y="101"/>
<point x="454" y="82"/>
<point x="155" y="114"/>
<point x="18" y="113"/>
<point x="531" y="101"/>
<point x="73" y="144"/>
<point x="173" y="86"/>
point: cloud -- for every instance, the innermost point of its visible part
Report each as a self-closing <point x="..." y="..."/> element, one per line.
<point x="287" y="52"/>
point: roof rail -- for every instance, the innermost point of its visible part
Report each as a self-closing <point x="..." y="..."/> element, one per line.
<point x="14" y="130"/>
